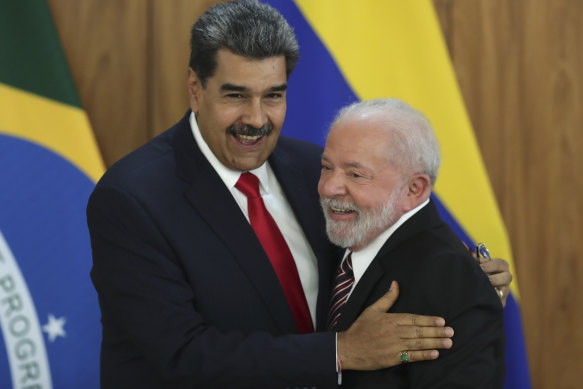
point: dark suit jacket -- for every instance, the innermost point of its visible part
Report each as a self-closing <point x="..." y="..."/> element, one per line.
<point x="436" y="276"/>
<point x="187" y="294"/>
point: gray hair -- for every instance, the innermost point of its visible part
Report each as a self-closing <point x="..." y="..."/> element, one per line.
<point x="414" y="144"/>
<point x="246" y="28"/>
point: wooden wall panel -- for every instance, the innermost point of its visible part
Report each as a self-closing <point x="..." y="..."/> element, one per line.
<point x="106" y="45"/>
<point x="170" y="52"/>
<point x="443" y="9"/>
<point x="519" y="66"/>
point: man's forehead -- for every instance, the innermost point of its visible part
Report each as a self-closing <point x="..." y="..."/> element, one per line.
<point x="239" y="73"/>
<point x="359" y="132"/>
<point x="347" y="159"/>
<point x="355" y="146"/>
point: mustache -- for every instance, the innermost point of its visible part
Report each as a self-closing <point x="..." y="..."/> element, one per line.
<point x="333" y="202"/>
<point x="247" y="130"/>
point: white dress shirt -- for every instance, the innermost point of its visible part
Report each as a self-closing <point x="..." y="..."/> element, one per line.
<point x="277" y="204"/>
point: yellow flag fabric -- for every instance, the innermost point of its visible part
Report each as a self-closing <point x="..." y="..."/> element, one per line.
<point x="60" y="127"/>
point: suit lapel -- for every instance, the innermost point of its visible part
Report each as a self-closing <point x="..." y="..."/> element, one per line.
<point x="383" y="262"/>
<point x="213" y="202"/>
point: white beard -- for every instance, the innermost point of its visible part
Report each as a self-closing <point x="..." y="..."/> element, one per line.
<point x="354" y="233"/>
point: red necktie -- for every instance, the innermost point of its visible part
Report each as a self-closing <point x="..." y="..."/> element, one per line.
<point x="277" y="250"/>
<point x="342" y="287"/>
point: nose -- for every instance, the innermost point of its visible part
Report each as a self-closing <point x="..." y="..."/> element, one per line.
<point x="254" y="114"/>
<point x="331" y="184"/>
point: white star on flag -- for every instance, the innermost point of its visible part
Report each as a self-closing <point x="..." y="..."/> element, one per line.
<point x="54" y="328"/>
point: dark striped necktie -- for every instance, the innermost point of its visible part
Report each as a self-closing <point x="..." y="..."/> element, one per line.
<point x="342" y="287"/>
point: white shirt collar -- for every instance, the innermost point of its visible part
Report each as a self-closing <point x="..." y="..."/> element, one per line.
<point x="229" y="176"/>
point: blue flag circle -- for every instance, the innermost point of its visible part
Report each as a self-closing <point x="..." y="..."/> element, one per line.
<point x="43" y="230"/>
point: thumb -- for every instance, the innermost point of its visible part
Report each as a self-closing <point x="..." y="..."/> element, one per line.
<point x="385" y="303"/>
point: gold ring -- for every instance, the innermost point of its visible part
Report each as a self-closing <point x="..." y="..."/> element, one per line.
<point x="404" y="357"/>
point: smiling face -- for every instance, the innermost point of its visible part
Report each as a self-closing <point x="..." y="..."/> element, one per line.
<point x="241" y="110"/>
<point x="362" y="193"/>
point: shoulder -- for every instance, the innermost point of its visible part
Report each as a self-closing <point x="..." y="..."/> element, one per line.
<point x="145" y="176"/>
<point x="294" y="148"/>
<point x="296" y="158"/>
<point x="149" y="164"/>
<point x="438" y="251"/>
<point x="438" y="275"/>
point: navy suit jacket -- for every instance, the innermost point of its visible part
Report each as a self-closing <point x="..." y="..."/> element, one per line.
<point x="188" y="296"/>
<point x="436" y="276"/>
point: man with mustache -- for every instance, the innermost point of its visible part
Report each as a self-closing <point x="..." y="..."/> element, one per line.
<point x="211" y="260"/>
<point x="379" y="166"/>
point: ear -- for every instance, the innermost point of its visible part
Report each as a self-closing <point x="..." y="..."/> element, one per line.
<point x="194" y="87"/>
<point x="418" y="190"/>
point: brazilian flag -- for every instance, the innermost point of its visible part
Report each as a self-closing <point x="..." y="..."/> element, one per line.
<point x="49" y="162"/>
<point x="352" y="50"/>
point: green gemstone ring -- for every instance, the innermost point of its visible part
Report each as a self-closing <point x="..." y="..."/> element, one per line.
<point x="404" y="357"/>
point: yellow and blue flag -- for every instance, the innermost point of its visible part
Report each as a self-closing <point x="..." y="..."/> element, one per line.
<point x="369" y="49"/>
<point x="49" y="163"/>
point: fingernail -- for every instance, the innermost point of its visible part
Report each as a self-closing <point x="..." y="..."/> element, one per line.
<point x="394" y="285"/>
<point x="449" y="331"/>
<point x="447" y="343"/>
<point x="440" y="322"/>
<point x="434" y="354"/>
